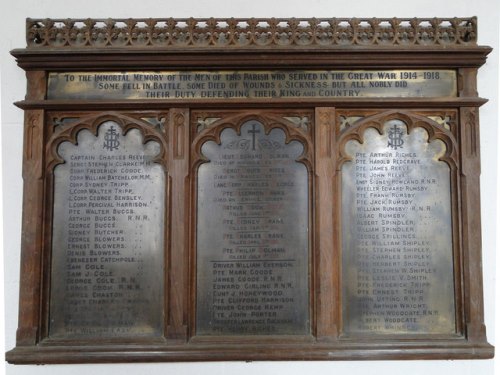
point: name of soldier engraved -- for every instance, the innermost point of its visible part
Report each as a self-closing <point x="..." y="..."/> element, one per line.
<point x="252" y="235"/>
<point x="107" y="243"/>
<point x="397" y="253"/>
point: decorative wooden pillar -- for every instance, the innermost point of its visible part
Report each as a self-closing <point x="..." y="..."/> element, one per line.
<point x="471" y="211"/>
<point x="178" y="135"/>
<point x="328" y="301"/>
<point x="32" y="221"/>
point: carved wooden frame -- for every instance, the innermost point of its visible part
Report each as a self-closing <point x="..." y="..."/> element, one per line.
<point x="449" y="43"/>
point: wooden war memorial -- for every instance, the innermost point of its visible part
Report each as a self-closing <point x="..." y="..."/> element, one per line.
<point x="250" y="189"/>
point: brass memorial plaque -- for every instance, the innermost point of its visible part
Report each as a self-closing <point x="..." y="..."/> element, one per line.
<point x="397" y="257"/>
<point x="107" y="243"/>
<point x="266" y="84"/>
<point x="252" y="235"/>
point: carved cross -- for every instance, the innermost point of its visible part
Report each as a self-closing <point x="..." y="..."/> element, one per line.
<point x="253" y="132"/>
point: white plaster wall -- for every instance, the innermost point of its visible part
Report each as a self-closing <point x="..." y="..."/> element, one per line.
<point x="13" y="86"/>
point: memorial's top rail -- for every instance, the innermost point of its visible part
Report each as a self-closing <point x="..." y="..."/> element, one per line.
<point x="252" y="33"/>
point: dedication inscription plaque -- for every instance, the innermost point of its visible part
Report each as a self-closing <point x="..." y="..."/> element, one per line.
<point x="107" y="246"/>
<point x="253" y="235"/>
<point x="397" y="238"/>
<point x="268" y="84"/>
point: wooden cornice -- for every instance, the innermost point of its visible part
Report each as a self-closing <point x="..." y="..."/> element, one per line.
<point x="354" y="57"/>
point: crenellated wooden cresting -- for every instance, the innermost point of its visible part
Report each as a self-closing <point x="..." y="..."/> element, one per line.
<point x="251" y="189"/>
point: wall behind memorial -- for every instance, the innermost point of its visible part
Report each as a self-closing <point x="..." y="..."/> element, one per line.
<point x="13" y="86"/>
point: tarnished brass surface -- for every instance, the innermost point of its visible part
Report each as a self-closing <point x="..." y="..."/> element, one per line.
<point x="252" y="236"/>
<point x="397" y="257"/>
<point x="226" y="85"/>
<point x="107" y="251"/>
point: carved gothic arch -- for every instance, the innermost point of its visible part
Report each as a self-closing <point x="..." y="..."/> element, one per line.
<point x="268" y="121"/>
<point x="412" y="120"/>
<point x="92" y="124"/>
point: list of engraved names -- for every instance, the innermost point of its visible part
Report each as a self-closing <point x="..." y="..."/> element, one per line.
<point x="252" y="235"/>
<point x="397" y="235"/>
<point x="106" y="208"/>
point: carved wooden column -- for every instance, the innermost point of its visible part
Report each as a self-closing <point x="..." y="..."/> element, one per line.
<point x="32" y="221"/>
<point x="471" y="212"/>
<point x="328" y="300"/>
<point x="178" y="136"/>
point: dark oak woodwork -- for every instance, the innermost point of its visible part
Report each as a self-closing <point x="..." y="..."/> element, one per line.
<point x="182" y="126"/>
<point x="328" y="317"/>
<point x="31" y="253"/>
<point x="178" y="271"/>
<point x="251" y="33"/>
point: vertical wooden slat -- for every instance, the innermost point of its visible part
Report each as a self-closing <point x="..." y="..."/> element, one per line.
<point x="32" y="220"/>
<point x="471" y="224"/>
<point x="178" y="135"/>
<point x="470" y="162"/>
<point x="327" y="260"/>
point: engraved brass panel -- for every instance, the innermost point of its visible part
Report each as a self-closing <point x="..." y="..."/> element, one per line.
<point x="239" y="84"/>
<point x="107" y="252"/>
<point x="252" y="235"/>
<point x="397" y="254"/>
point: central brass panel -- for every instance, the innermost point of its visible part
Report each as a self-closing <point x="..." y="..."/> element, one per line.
<point x="252" y="235"/>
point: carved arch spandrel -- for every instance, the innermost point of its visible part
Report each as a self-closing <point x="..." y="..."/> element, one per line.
<point x="412" y="121"/>
<point x="92" y="123"/>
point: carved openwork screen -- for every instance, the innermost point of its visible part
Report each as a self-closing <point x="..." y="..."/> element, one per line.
<point x="185" y="200"/>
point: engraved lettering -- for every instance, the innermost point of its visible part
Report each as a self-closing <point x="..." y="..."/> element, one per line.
<point x="252" y="256"/>
<point x="397" y="246"/>
<point x="101" y="236"/>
